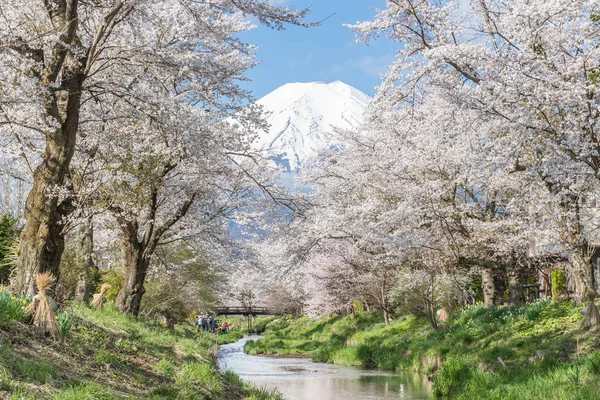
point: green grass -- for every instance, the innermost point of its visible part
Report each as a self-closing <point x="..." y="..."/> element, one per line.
<point x="240" y="324"/>
<point x="87" y="391"/>
<point x="530" y="352"/>
<point x="109" y="355"/>
<point x="164" y="366"/>
<point x="36" y="370"/>
<point x="199" y="379"/>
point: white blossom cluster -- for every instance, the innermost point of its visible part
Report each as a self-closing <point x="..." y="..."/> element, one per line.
<point x="480" y="151"/>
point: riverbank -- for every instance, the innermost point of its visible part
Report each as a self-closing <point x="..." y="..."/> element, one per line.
<point x="302" y="379"/>
<point x="529" y="352"/>
<point x="109" y="355"/>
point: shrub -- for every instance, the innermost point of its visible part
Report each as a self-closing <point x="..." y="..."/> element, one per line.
<point x="116" y="282"/>
<point x="559" y="284"/>
<point x="358" y="306"/>
<point x="278" y="324"/>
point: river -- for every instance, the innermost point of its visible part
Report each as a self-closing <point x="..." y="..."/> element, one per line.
<point x="301" y="379"/>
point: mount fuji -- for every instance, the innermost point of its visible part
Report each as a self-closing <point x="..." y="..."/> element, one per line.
<point x="302" y="117"/>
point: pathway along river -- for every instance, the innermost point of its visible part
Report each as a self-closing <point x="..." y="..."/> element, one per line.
<point x="301" y="379"/>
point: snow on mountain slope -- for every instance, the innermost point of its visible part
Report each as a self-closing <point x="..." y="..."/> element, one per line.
<point x="302" y="117"/>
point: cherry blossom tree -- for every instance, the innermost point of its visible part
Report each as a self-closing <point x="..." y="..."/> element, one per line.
<point x="526" y="73"/>
<point x="477" y="150"/>
<point x="73" y="68"/>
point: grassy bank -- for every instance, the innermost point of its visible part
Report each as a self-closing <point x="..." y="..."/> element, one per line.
<point x="531" y="352"/>
<point x="108" y="355"/>
<point x="240" y="324"/>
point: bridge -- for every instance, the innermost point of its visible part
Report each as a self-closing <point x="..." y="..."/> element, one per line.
<point x="247" y="311"/>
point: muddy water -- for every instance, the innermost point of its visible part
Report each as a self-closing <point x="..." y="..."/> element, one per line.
<point x="301" y="379"/>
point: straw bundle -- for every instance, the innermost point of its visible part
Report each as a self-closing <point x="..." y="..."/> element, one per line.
<point x="591" y="316"/>
<point x="41" y="306"/>
<point x="444" y="315"/>
<point x="98" y="301"/>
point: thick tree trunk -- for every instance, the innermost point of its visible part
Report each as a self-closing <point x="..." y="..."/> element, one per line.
<point x="137" y="253"/>
<point x="500" y="288"/>
<point x="82" y="292"/>
<point x="583" y="278"/>
<point x="514" y="286"/>
<point x="488" y="287"/>
<point x="129" y="298"/>
<point x="42" y="241"/>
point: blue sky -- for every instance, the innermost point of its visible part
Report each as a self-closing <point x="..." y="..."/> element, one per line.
<point x="324" y="53"/>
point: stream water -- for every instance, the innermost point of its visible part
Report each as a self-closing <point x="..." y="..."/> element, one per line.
<point x="301" y="379"/>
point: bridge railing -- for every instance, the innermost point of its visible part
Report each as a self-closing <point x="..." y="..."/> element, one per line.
<point x="247" y="310"/>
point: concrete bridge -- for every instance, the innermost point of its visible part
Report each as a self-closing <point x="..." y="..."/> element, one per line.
<point x="249" y="311"/>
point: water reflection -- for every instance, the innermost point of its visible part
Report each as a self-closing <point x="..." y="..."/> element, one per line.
<point x="301" y="379"/>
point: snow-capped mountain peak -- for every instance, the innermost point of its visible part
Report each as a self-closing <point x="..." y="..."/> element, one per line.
<point x="302" y="117"/>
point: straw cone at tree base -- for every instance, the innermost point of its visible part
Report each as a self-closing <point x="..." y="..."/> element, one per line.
<point x="41" y="307"/>
<point x="591" y="316"/>
<point x="444" y="315"/>
<point x="98" y="301"/>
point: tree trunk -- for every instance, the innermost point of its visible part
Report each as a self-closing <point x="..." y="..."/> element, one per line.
<point x="82" y="292"/>
<point x="170" y="321"/>
<point x="582" y="274"/>
<point x="489" y="289"/>
<point x="42" y="241"/>
<point x="129" y="298"/>
<point x="514" y="286"/>
<point x="432" y="315"/>
<point x="384" y="301"/>
<point x="500" y="288"/>
<point x="137" y="253"/>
